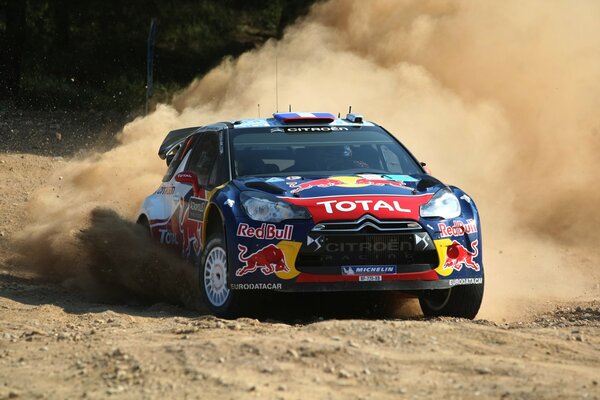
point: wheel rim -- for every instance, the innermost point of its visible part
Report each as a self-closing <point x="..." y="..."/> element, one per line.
<point x="438" y="299"/>
<point x="215" y="277"/>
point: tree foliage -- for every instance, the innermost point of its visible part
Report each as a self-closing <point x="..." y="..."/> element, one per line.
<point x="93" y="54"/>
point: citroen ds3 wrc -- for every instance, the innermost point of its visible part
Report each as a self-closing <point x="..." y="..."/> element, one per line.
<point x="307" y="202"/>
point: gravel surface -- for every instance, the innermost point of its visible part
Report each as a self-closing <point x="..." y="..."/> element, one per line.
<point x="57" y="342"/>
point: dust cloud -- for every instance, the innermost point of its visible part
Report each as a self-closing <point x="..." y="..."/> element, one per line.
<point x="500" y="98"/>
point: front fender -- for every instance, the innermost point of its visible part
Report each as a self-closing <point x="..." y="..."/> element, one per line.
<point x="458" y="242"/>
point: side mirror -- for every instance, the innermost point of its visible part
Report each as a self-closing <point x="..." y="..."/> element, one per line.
<point x="170" y="158"/>
<point x="189" y="178"/>
<point x="426" y="168"/>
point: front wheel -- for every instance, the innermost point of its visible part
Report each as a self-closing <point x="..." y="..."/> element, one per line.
<point x="458" y="301"/>
<point x="221" y="300"/>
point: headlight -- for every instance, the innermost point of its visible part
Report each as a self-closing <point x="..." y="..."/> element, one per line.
<point x="266" y="208"/>
<point x="443" y="204"/>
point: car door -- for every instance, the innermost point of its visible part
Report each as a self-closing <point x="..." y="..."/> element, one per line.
<point x="206" y="161"/>
<point x="163" y="215"/>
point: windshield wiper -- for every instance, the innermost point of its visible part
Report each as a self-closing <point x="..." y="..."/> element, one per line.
<point x="380" y="172"/>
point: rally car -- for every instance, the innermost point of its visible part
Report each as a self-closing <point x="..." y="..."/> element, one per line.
<point x="307" y="202"/>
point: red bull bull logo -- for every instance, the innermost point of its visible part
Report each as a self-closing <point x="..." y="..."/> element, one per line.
<point x="379" y="182"/>
<point x="322" y="183"/>
<point x="269" y="259"/>
<point x="458" y="256"/>
<point x="346" y="181"/>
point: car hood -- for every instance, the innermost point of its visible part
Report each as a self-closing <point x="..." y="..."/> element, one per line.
<point x="350" y="196"/>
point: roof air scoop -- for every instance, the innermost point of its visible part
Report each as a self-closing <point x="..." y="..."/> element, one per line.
<point x="356" y="118"/>
<point x="304" y="118"/>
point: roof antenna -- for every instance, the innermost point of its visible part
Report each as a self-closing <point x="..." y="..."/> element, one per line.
<point x="258" y="110"/>
<point x="276" y="79"/>
<point x="349" y="109"/>
<point x="339" y="115"/>
<point x="290" y="108"/>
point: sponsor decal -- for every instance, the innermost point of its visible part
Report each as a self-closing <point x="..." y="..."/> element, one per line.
<point x="266" y="231"/>
<point x="183" y="229"/>
<point x="466" y="198"/>
<point x="368" y="269"/>
<point x="293" y="178"/>
<point x="197" y="208"/>
<point x="318" y="242"/>
<point x="465" y="281"/>
<point x="189" y="229"/>
<point x="458" y="256"/>
<point x="391" y="246"/>
<point x="270" y="259"/>
<point x="229" y="203"/>
<point x="377" y="180"/>
<point x="290" y="251"/>
<point x="351" y="207"/>
<point x="423" y="241"/>
<point x="165" y="190"/>
<point x="317" y="129"/>
<point x="167" y="237"/>
<point x="347" y="181"/>
<point x="366" y="205"/>
<point x="256" y="286"/>
<point x="370" y="278"/>
<point x="277" y="130"/>
<point x="322" y="183"/>
<point x="459" y="228"/>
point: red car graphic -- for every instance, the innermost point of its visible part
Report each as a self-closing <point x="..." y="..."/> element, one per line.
<point x="269" y="259"/>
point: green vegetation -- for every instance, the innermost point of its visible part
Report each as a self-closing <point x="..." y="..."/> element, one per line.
<point x="92" y="54"/>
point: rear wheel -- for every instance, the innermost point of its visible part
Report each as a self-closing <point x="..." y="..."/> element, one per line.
<point x="143" y="221"/>
<point x="214" y="286"/>
<point x="458" y="301"/>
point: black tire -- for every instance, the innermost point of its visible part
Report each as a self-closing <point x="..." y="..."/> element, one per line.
<point x="230" y="305"/>
<point x="143" y="221"/>
<point x="459" y="301"/>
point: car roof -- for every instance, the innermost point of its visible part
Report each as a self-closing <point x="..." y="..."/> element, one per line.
<point x="296" y="119"/>
<point x="301" y="119"/>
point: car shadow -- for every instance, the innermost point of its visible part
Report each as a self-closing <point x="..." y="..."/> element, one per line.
<point x="38" y="291"/>
<point x="110" y="263"/>
<point x="287" y="308"/>
<point x="300" y="308"/>
<point x="124" y="271"/>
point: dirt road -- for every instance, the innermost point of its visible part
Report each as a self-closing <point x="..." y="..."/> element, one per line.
<point x="57" y="342"/>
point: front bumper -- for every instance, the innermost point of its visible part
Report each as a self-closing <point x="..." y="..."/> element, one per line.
<point x="332" y="283"/>
<point x="362" y="255"/>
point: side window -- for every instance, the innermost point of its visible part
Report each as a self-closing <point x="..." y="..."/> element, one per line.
<point x="203" y="159"/>
<point x="180" y="152"/>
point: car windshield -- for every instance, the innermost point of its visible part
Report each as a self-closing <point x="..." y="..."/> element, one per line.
<point x="343" y="150"/>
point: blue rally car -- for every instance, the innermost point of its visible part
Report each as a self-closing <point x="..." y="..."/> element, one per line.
<point x="307" y="202"/>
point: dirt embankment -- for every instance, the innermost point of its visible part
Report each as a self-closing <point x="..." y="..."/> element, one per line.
<point x="61" y="342"/>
